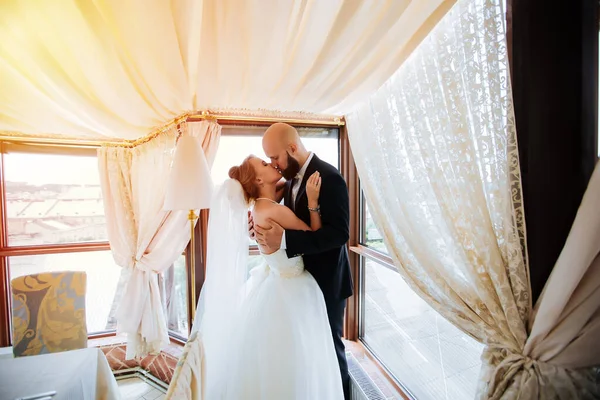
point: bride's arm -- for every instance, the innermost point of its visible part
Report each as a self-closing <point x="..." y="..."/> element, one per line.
<point x="313" y="187"/>
<point x="286" y="218"/>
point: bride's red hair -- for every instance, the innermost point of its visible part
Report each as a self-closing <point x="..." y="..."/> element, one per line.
<point x="245" y="174"/>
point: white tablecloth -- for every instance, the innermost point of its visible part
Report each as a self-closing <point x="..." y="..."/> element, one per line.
<point x="75" y="375"/>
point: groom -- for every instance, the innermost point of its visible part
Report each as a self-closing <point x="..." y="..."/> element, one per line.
<point x="324" y="251"/>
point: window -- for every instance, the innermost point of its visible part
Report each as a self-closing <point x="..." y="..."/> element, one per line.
<point x="53" y="199"/>
<point x="238" y="142"/>
<point x="371" y="236"/>
<point x="54" y="211"/>
<point x="54" y="219"/>
<point x="425" y="353"/>
<point x="174" y="291"/>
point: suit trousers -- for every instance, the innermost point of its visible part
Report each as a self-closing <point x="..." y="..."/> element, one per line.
<point x="335" y="313"/>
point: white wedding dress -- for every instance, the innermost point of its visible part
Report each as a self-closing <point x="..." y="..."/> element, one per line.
<point x="266" y="337"/>
<point x="284" y="345"/>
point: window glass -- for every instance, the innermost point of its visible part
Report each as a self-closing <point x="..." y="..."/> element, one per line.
<point x="370" y="234"/>
<point x="233" y="149"/>
<point x="431" y="357"/>
<point x="174" y="290"/>
<point x="52" y="199"/>
<point x="240" y="142"/>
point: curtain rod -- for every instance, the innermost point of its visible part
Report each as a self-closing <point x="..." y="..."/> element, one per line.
<point x="205" y="115"/>
<point x="55" y="142"/>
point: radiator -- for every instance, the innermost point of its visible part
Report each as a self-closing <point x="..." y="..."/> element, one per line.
<point x="361" y="386"/>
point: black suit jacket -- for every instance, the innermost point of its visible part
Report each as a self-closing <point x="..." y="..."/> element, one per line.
<point x="324" y="251"/>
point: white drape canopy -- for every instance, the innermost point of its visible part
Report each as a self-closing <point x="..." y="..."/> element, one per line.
<point x="117" y="69"/>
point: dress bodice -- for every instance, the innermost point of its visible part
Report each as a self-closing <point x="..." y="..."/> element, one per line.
<point x="281" y="265"/>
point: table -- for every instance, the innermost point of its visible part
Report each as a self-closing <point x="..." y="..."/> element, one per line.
<point x="75" y="375"/>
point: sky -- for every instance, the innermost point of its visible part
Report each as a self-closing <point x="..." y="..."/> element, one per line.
<point x="40" y="169"/>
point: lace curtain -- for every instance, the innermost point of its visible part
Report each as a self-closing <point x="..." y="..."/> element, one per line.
<point x="143" y="237"/>
<point x="437" y="154"/>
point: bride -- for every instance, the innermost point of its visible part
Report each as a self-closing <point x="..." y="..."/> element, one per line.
<point x="268" y="336"/>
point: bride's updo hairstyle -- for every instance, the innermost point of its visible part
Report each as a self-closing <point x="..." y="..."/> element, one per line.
<point x="245" y="174"/>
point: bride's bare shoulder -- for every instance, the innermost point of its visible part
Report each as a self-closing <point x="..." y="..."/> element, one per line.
<point x="264" y="208"/>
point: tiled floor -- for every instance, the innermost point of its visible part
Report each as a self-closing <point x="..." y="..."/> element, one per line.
<point x="137" y="389"/>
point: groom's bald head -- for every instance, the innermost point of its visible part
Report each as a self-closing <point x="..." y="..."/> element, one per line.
<point x="283" y="133"/>
<point x="282" y="144"/>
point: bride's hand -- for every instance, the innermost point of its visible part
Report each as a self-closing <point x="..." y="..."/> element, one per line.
<point x="313" y="187"/>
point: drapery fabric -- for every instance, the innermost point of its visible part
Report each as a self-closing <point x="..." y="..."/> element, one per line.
<point x="189" y="377"/>
<point x="119" y="69"/>
<point x="143" y="237"/>
<point x="206" y="358"/>
<point x="437" y="154"/>
<point x="562" y="353"/>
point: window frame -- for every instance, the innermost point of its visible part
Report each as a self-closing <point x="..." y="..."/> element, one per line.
<point x="347" y="169"/>
<point x="201" y="229"/>
<point x="354" y="315"/>
<point x="7" y="250"/>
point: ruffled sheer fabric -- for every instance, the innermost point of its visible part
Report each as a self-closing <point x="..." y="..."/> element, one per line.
<point x="189" y="375"/>
<point x="265" y="336"/>
<point x="143" y="237"/>
<point x="224" y="290"/>
<point x="97" y="69"/>
<point x="283" y="343"/>
<point x="436" y="150"/>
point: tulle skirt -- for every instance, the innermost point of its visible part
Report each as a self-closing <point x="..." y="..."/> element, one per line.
<point x="281" y="347"/>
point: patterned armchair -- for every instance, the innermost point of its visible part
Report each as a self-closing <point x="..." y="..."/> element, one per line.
<point x="48" y="313"/>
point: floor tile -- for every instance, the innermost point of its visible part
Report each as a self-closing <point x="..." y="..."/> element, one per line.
<point x="136" y="389"/>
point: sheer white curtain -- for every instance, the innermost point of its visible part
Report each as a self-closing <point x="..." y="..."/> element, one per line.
<point x="143" y="237"/>
<point x="118" y="68"/>
<point x="436" y="151"/>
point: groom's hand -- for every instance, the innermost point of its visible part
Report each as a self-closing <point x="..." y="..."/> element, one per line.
<point x="269" y="237"/>
<point x="251" y="232"/>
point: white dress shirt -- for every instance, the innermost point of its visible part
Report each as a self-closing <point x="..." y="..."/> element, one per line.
<point x="296" y="188"/>
<point x="299" y="177"/>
